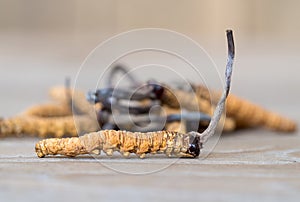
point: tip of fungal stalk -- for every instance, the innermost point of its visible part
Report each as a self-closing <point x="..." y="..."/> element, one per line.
<point x="230" y="42"/>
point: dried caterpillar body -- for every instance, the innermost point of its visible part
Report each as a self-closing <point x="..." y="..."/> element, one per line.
<point x="38" y="126"/>
<point x="53" y="120"/>
<point x="247" y="114"/>
<point x="47" y="126"/>
<point x="170" y="143"/>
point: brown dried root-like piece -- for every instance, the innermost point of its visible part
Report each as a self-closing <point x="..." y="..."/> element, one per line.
<point x="168" y="142"/>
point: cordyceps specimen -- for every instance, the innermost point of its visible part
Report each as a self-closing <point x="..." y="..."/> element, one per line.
<point x="247" y="114"/>
<point x="240" y="113"/>
<point x="54" y="119"/>
<point x="46" y="126"/>
<point x="167" y="142"/>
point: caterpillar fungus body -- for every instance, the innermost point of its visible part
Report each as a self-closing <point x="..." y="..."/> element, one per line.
<point x="247" y="114"/>
<point x="169" y="142"/>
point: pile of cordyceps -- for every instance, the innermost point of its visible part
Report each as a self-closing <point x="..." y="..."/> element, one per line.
<point x="144" y="107"/>
<point x="142" y="118"/>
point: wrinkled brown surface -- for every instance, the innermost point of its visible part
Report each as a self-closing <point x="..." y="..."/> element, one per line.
<point x="170" y="143"/>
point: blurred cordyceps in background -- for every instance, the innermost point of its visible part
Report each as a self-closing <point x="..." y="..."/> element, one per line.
<point x="70" y="113"/>
<point x="55" y="119"/>
<point x="141" y="107"/>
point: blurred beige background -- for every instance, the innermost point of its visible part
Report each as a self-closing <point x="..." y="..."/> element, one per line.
<point x="43" y="41"/>
<point x="267" y="18"/>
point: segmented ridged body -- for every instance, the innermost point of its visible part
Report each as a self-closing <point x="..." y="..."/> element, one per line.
<point x="169" y="143"/>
